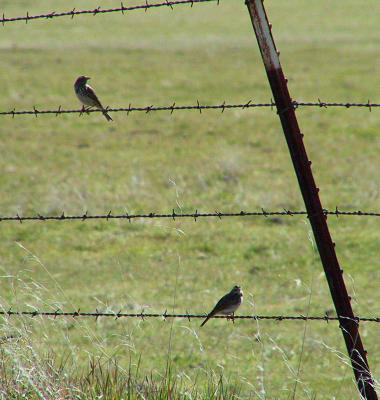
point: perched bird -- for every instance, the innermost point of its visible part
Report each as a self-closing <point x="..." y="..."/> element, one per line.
<point x="228" y="304"/>
<point x="87" y="96"/>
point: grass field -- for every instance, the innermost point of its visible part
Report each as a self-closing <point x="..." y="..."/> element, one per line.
<point x="155" y="162"/>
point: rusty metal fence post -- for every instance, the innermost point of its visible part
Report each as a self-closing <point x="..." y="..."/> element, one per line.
<point x="334" y="274"/>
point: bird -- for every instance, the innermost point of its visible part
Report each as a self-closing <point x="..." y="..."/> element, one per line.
<point x="228" y="304"/>
<point x="87" y="96"/>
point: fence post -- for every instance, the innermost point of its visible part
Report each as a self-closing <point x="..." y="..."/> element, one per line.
<point x="318" y="220"/>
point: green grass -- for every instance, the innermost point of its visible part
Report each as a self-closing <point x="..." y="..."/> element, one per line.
<point x="211" y="161"/>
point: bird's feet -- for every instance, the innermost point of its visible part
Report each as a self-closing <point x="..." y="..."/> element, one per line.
<point x="84" y="109"/>
<point x="231" y="317"/>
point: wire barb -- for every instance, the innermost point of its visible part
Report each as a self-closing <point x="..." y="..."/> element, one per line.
<point x="169" y="4"/>
<point x="247" y="104"/>
<point x="199" y="107"/>
<point x="196" y="215"/>
<point x="321" y="103"/>
<point x="96" y="10"/>
<point x="51" y="15"/>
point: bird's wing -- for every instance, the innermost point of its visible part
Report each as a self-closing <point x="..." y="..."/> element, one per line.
<point x="220" y="305"/>
<point x="90" y="93"/>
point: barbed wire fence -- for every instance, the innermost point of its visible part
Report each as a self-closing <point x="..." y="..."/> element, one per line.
<point x="165" y="315"/>
<point x="173" y="107"/>
<point x="142" y="315"/>
<point x="199" y="107"/>
<point x="195" y="215"/>
<point x="99" y="11"/>
<point x="343" y="319"/>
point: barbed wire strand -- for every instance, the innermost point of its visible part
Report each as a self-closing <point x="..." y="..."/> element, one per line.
<point x="199" y="107"/>
<point x="99" y="11"/>
<point x="165" y="315"/>
<point x="173" y="215"/>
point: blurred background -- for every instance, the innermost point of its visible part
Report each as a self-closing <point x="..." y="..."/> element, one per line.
<point x="186" y="161"/>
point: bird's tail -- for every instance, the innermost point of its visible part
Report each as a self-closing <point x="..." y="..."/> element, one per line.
<point x="208" y="317"/>
<point x="106" y="115"/>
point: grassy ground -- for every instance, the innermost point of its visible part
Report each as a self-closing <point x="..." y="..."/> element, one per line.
<point x="186" y="161"/>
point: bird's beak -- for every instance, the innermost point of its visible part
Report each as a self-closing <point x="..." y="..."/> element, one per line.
<point x="87" y="77"/>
